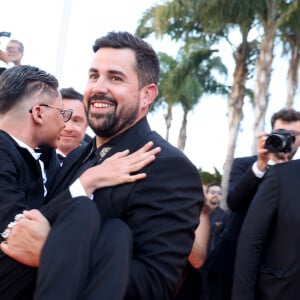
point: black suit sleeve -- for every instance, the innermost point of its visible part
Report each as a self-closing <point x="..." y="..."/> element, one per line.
<point x="253" y="236"/>
<point x="243" y="184"/>
<point x="165" y="212"/>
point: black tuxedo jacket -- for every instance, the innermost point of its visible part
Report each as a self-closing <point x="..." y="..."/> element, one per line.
<point x="161" y="210"/>
<point x="21" y="184"/>
<point x="268" y="257"/>
<point x="243" y="183"/>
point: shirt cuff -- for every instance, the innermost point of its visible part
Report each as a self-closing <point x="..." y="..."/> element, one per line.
<point x="257" y="172"/>
<point x="76" y="189"/>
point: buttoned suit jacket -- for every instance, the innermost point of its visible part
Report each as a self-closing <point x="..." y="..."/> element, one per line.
<point x="162" y="210"/>
<point x="268" y="257"/>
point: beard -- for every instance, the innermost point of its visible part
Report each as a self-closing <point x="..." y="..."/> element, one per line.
<point x="110" y="124"/>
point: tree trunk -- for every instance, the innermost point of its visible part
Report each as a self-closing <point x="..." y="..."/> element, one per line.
<point x="182" y="133"/>
<point x="168" y="119"/>
<point x="261" y="96"/>
<point x="235" y="113"/>
<point x="292" y="80"/>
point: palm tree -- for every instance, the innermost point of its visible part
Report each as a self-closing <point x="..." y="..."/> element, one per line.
<point x="209" y="21"/>
<point x="192" y="78"/>
<point x="271" y="15"/>
<point x="167" y="94"/>
<point x="290" y="36"/>
<point x="237" y="16"/>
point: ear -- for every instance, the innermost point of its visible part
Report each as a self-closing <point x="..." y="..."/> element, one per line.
<point x="149" y="93"/>
<point x="37" y="115"/>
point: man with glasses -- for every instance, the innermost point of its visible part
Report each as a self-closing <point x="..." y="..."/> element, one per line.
<point x="79" y="249"/>
<point x="13" y="54"/>
<point x="218" y="216"/>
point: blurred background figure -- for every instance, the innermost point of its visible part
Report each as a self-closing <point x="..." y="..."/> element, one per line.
<point x="15" y="51"/>
<point x="214" y="280"/>
<point x="73" y="135"/>
<point x="213" y="194"/>
<point x="13" y="54"/>
<point x="218" y="216"/>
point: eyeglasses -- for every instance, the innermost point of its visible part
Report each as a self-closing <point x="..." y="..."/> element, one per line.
<point x="9" y="48"/>
<point x="214" y="192"/>
<point x="66" y="113"/>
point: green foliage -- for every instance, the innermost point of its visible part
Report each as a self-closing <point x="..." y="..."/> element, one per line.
<point x="208" y="177"/>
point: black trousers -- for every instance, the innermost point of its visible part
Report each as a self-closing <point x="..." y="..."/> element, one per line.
<point x="82" y="258"/>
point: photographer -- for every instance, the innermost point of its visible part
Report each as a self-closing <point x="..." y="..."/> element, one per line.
<point x="247" y="172"/>
<point x="245" y="177"/>
<point x="267" y="256"/>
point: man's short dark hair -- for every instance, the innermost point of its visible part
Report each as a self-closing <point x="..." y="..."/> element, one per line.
<point x="24" y="80"/>
<point x="286" y="115"/>
<point x="147" y="63"/>
<point x="71" y="93"/>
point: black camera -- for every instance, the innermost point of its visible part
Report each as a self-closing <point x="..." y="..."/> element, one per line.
<point x="280" y="140"/>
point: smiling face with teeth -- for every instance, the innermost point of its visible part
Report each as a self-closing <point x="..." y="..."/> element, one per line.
<point x="113" y="98"/>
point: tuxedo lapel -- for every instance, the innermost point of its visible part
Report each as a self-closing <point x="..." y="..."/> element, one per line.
<point x="76" y="162"/>
<point x="66" y="174"/>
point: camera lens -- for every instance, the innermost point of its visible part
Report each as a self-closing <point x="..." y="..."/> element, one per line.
<point x="275" y="141"/>
<point x="280" y="141"/>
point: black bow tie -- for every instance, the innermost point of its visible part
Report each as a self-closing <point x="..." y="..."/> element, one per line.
<point x="38" y="150"/>
<point x="60" y="158"/>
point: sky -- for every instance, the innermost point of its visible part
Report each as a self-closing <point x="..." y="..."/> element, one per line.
<point x="58" y="37"/>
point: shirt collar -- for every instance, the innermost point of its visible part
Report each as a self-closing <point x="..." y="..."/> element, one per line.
<point x="35" y="155"/>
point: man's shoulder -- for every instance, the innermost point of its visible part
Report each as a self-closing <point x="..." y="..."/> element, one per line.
<point x="245" y="159"/>
<point x="244" y="162"/>
<point x="289" y="166"/>
<point x="7" y="143"/>
<point x="169" y="152"/>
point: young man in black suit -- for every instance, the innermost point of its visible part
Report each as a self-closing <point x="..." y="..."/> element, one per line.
<point x="248" y="173"/>
<point x="161" y="211"/>
<point x="32" y="115"/>
<point x="245" y="177"/>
